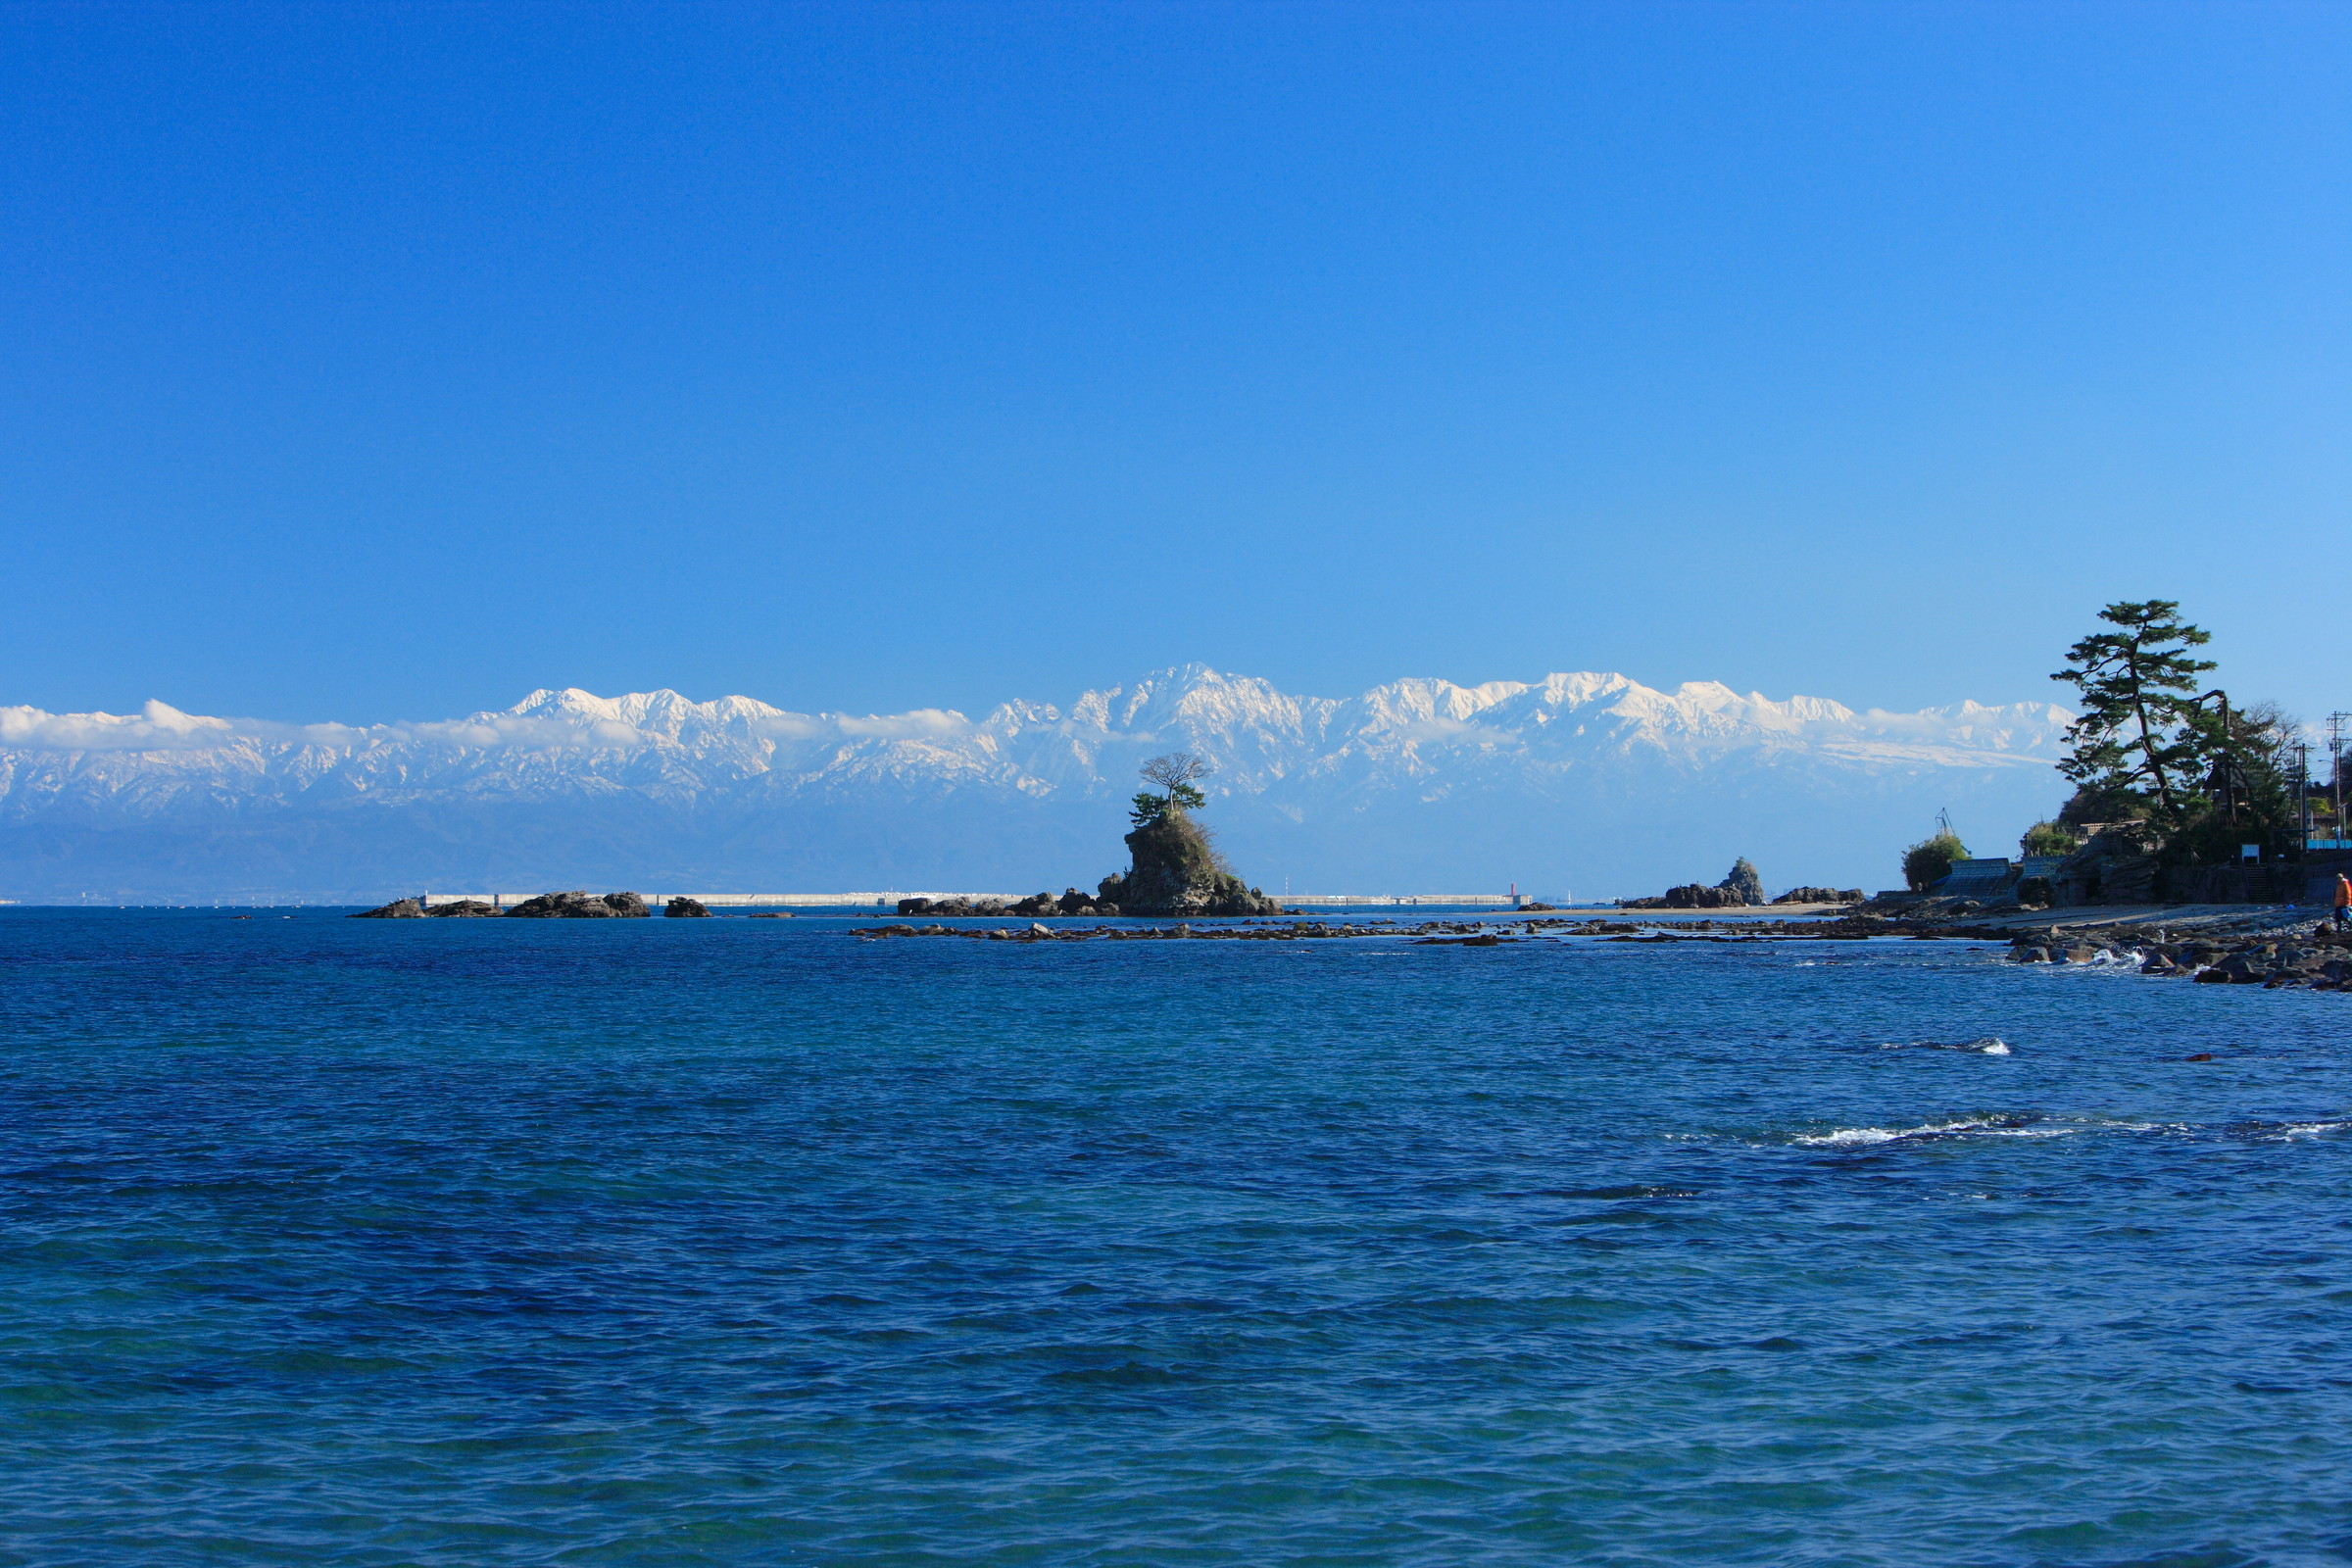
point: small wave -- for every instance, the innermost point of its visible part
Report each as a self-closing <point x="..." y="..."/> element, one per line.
<point x="1973" y="1126"/>
<point x="1989" y="1045"/>
<point x="2312" y="1129"/>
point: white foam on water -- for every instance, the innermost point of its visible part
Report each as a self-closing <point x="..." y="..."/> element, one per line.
<point x="1848" y="1137"/>
<point x="1975" y="1126"/>
<point x="2012" y="1127"/>
<point x="2312" y="1129"/>
<point x="1989" y="1045"/>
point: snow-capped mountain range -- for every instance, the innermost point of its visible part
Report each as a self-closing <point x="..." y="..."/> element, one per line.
<point x="1588" y="784"/>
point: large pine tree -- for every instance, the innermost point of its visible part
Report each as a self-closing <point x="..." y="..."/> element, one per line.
<point x="2141" y="731"/>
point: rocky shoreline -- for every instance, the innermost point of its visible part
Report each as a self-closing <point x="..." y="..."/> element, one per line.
<point x="2296" y="956"/>
<point x="2316" y="959"/>
<point x="577" y="905"/>
<point x="2277" y="947"/>
<point x="1484" y="932"/>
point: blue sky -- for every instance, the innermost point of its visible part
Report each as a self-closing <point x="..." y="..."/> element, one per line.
<point x="375" y="362"/>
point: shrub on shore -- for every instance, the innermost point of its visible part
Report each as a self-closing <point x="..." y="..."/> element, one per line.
<point x="1931" y="859"/>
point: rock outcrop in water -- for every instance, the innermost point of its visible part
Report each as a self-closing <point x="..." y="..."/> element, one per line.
<point x="1744" y="881"/>
<point x="2320" y="960"/>
<point x="1174" y="869"/>
<point x="1739" y="889"/>
<point x="686" y="910"/>
<point x="397" y="910"/>
<point x="580" y="905"/>
<point x="1071" y="901"/>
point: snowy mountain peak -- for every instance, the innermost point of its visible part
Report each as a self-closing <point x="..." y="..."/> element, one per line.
<point x="1420" y="781"/>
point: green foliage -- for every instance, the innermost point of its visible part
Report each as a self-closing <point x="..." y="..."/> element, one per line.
<point x="2139" y="729"/>
<point x="2246" y="796"/>
<point x="1930" y="859"/>
<point x="2207" y="775"/>
<point x="2094" y="804"/>
<point x="1148" y="808"/>
<point x="1175" y="867"/>
<point x="2050" y="838"/>
<point x="1174" y="773"/>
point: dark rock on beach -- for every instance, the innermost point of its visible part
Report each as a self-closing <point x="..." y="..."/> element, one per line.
<point x="2320" y="960"/>
<point x="1822" y="896"/>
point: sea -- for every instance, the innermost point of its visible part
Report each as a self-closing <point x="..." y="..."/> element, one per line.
<point x="740" y="1241"/>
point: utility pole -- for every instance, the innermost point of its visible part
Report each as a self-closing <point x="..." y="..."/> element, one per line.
<point x="2338" y="724"/>
<point x="2302" y="749"/>
<point x="2224" y="776"/>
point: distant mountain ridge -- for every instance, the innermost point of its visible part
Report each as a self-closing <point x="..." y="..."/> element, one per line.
<point x="1587" y="783"/>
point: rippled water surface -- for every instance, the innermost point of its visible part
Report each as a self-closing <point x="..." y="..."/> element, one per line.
<point x="737" y="1241"/>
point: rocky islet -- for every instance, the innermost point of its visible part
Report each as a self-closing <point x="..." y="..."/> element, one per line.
<point x="577" y="905"/>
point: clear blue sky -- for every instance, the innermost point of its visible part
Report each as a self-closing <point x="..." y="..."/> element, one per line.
<point x="388" y="360"/>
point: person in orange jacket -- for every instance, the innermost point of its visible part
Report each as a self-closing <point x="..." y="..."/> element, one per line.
<point x="2343" y="901"/>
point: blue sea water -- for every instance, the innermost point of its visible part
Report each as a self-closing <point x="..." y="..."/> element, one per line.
<point x="744" y="1242"/>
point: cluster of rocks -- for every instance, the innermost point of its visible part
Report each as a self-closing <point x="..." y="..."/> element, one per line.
<point x="1822" y="896"/>
<point x="2321" y="959"/>
<point x="580" y="905"/>
<point x="415" y="910"/>
<point x="575" y="906"/>
<point x="1691" y="895"/>
<point x="1474" y="934"/>
<point x="1460" y="933"/>
<point x="1740" y="889"/>
<point x="1071" y="902"/>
